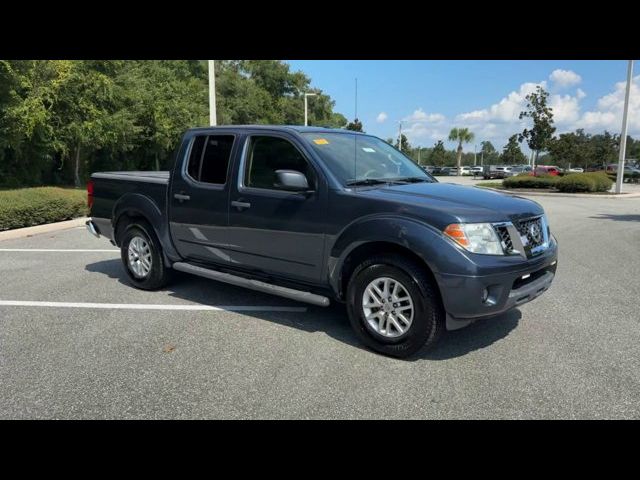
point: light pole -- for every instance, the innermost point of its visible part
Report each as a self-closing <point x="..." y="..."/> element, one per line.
<point x="419" y="148"/>
<point x="305" y="105"/>
<point x="474" y="154"/>
<point x="623" y="136"/>
<point x="213" y="121"/>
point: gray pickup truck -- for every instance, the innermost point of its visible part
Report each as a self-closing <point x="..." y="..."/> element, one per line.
<point x="316" y="215"/>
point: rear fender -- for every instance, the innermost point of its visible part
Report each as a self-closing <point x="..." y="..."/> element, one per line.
<point x="138" y="205"/>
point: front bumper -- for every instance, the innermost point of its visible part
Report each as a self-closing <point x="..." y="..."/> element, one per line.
<point x="472" y="297"/>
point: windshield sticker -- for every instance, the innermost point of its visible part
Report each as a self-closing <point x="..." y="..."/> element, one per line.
<point x="320" y="141"/>
<point x="368" y="149"/>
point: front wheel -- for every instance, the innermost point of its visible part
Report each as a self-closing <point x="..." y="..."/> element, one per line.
<point x="142" y="257"/>
<point x="394" y="306"/>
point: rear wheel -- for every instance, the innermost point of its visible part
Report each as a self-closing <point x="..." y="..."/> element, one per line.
<point x="393" y="306"/>
<point x="142" y="258"/>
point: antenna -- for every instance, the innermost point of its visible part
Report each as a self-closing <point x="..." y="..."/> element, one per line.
<point x="356" y="98"/>
<point x="355" y="138"/>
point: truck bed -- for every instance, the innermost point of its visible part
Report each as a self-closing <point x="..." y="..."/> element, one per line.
<point x="145" y="191"/>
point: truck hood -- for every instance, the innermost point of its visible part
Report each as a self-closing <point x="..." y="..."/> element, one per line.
<point x="445" y="203"/>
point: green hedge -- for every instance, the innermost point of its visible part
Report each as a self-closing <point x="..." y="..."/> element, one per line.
<point x="529" y="181"/>
<point x="26" y="207"/>
<point x="585" y="182"/>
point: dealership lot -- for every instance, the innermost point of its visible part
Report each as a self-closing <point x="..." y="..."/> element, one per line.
<point x="201" y="349"/>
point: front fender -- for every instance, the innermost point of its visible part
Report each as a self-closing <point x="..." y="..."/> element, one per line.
<point x="422" y="239"/>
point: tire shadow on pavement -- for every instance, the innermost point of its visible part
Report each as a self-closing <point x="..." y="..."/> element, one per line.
<point x="331" y="320"/>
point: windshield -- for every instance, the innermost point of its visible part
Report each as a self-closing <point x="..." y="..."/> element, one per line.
<point x="363" y="159"/>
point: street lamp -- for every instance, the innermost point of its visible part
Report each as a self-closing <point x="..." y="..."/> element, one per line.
<point x="305" y="105"/>
<point x="212" y="94"/>
<point x="623" y="136"/>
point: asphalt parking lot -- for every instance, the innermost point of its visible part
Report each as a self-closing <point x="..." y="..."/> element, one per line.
<point x="202" y="349"/>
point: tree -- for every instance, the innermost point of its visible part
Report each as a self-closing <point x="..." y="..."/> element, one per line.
<point x="511" y="153"/>
<point x="62" y="119"/>
<point x="89" y="113"/>
<point x="165" y="98"/>
<point x="570" y="149"/>
<point x="356" y="126"/>
<point x="538" y="137"/>
<point x="460" y="135"/>
<point x="390" y="141"/>
<point x="438" y="154"/>
<point x="604" y="148"/>
<point x="406" y="146"/>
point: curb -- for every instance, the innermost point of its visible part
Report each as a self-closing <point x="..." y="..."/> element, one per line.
<point x="563" y="195"/>
<point x="40" y="229"/>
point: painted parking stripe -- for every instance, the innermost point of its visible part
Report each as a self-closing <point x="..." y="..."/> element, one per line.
<point x="138" y="306"/>
<point x="57" y="250"/>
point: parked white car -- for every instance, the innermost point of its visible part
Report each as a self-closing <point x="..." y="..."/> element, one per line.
<point x="465" y="170"/>
<point x="575" y="170"/>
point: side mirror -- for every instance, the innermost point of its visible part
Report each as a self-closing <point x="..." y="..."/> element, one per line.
<point x="292" y="180"/>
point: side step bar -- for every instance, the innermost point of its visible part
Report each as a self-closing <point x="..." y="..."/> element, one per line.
<point x="298" y="295"/>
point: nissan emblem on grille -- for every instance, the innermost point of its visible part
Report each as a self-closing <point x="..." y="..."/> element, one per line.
<point x="531" y="232"/>
<point x="535" y="232"/>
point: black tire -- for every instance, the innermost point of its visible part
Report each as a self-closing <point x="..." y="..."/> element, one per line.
<point x="429" y="317"/>
<point x="159" y="275"/>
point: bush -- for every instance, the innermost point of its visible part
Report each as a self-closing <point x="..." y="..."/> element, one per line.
<point x="529" y="181"/>
<point x="577" y="182"/>
<point x="26" y="207"/>
<point x="602" y="181"/>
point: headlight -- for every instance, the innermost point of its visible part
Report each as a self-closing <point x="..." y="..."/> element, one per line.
<point x="475" y="237"/>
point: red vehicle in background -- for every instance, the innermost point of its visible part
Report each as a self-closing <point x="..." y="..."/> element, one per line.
<point x="546" y="170"/>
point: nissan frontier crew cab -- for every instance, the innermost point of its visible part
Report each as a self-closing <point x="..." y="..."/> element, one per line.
<point x="315" y="215"/>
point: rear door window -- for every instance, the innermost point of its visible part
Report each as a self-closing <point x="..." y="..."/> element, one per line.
<point x="209" y="159"/>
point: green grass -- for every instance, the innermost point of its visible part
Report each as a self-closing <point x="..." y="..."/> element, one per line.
<point x="26" y="207"/>
<point x="490" y="185"/>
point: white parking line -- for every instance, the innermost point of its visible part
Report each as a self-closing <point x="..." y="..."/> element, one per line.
<point x="57" y="250"/>
<point x="138" y="306"/>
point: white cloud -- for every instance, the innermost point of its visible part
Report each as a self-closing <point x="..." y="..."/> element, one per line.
<point x="566" y="109"/>
<point x="499" y="121"/>
<point x="506" y="110"/>
<point x="565" y="78"/>
<point x="382" y="116"/>
<point x="420" y="115"/>
<point x="608" y="112"/>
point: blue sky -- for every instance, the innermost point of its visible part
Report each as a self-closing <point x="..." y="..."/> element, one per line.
<point x="486" y="96"/>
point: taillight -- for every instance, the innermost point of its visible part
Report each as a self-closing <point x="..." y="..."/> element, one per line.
<point x="90" y="194"/>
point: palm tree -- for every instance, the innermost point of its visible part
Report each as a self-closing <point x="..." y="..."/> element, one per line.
<point x="460" y="135"/>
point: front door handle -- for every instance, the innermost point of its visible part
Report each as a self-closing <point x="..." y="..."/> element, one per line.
<point x="240" y="205"/>
<point x="181" y="197"/>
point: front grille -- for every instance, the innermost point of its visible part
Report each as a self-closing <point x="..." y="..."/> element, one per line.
<point x="505" y="239"/>
<point x="532" y="230"/>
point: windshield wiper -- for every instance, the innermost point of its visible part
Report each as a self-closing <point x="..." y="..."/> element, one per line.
<point x="411" y="179"/>
<point x="366" y="181"/>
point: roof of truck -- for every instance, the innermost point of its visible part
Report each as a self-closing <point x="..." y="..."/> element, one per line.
<point x="295" y="128"/>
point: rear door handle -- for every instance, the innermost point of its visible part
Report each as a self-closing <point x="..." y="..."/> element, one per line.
<point x="181" y="197"/>
<point x="240" y="205"/>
